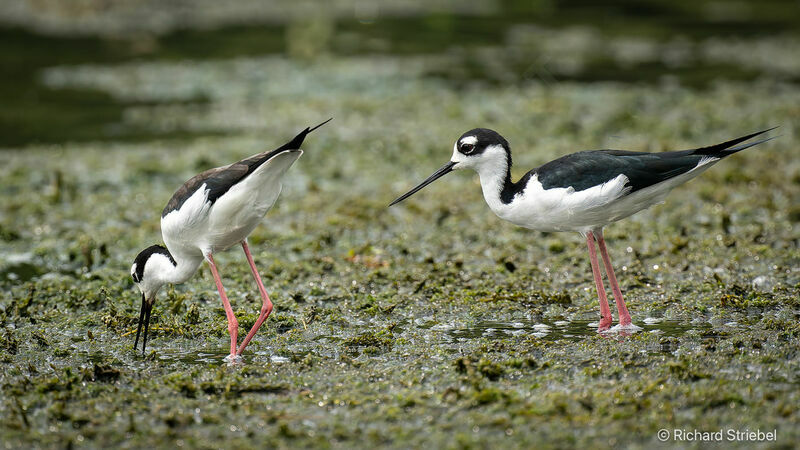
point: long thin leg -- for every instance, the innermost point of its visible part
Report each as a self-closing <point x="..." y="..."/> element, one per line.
<point x="233" y="324"/>
<point x="605" y="311"/>
<point x="266" y="306"/>
<point x="624" y="316"/>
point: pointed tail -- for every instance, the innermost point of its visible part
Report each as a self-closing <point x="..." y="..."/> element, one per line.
<point x="295" y="143"/>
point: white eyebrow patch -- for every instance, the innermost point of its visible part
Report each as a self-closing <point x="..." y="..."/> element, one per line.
<point x="469" y="140"/>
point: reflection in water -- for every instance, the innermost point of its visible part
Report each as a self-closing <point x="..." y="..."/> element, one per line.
<point x="572" y="330"/>
<point x="212" y="357"/>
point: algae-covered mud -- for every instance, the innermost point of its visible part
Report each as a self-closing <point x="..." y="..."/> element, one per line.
<point x="432" y="323"/>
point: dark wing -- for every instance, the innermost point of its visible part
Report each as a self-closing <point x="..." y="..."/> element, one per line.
<point x="584" y="170"/>
<point x="219" y="180"/>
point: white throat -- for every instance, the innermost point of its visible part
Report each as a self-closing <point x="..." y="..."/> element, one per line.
<point x="186" y="267"/>
<point x="493" y="170"/>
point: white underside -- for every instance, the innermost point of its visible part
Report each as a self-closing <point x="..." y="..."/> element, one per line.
<point x="199" y="228"/>
<point x="564" y="209"/>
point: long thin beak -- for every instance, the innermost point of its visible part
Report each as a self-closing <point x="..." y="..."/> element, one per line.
<point x="144" y="317"/>
<point x="444" y="170"/>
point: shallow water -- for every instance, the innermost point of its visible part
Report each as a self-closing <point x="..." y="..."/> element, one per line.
<point x="446" y="333"/>
<point x="570" y="330"/>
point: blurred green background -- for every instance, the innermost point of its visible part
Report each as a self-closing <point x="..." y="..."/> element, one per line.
<point x="691" y="43"/>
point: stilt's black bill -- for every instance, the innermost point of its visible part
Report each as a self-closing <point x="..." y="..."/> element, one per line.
<point x="444" y="170"/>
<point x="146" y="326"/>
<point x="144" y="318"/>
<point x="141" y="320"/>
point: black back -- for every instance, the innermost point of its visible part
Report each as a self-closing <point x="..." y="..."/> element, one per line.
<point x="219" y="180"/>
<point x="584" y="170"/>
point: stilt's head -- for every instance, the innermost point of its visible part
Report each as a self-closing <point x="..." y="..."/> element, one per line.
<point x="481" y="149"/>
<point x="145" y="271"/>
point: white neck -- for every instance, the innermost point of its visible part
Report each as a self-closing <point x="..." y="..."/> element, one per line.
<point x="493" y="175"/>
<point x="160" y="270"/>
<point x="184" y="269"/>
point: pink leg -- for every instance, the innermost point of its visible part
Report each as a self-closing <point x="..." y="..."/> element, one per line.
<point x="233" y="324"/>
<point x="605" y="311"/>
<point x="266" y="306"/>
<point x="624" y="316"/>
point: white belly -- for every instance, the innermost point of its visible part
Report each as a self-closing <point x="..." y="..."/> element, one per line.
<point x="559" y="209"/>
<point x="234" y="217"/>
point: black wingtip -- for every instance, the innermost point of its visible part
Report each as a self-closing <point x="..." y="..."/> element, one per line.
<point x="323" y="123"/>
<point x="725" y="147"/>
<point x="295" y="143"/>
<point x="739" y="148"/>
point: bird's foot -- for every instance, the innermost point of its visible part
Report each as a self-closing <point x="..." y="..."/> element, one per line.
<point x="604" y="324"/>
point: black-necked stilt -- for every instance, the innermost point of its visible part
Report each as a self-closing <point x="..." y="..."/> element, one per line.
<point x="581" y="192"/>
<point x="212" y="212"/>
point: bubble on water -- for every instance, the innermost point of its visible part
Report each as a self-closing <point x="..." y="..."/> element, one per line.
<point x="762" y="283"/>
<point x="444" y="326"/>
